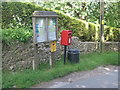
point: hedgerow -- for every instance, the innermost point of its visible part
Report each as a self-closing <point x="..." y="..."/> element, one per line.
<point x="10" y="36"/>
<point x="18" y="14"/>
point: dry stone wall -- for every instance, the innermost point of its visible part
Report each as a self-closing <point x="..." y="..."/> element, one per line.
<point x="87" y="47"/>
<point x="20" y="56"/>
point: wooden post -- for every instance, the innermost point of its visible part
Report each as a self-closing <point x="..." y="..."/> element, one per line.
<point x="52" y="59"/>
<point x="35" y="61"/>
<point x="101" y="25"/>
<point x="53" y="50"/>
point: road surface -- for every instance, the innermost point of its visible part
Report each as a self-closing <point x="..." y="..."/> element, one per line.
<point x="101" y="77"/>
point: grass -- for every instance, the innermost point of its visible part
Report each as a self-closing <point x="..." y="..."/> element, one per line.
<point x="27" y="78"/>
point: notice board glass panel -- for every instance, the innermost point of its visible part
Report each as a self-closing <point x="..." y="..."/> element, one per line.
<point x="52" y="29"/>
<point x="41" y="33"/>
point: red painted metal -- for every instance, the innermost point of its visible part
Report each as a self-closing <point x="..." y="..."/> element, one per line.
<point x="66" y="37"/>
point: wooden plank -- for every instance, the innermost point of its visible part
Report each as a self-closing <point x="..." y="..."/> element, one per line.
<point x="101" y="26"/>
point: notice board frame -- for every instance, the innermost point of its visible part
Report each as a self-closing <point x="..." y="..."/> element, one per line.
<point x="46" y="15"/>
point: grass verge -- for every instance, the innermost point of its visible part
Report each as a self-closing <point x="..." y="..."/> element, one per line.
<point x="29" y="77"/>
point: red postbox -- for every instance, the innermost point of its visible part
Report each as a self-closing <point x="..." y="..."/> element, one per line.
<point x="66" y="36"/>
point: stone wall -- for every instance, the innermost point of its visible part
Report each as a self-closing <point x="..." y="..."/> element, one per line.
<point x="20" y="56"/>
<point x="87" y="47"/>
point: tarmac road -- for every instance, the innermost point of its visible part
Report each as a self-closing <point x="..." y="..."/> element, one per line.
<point x="101" y="77"/>
<point x="109" y="80"/>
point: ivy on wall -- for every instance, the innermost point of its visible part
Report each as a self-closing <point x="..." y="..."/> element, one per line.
<point x="18" y="14"/>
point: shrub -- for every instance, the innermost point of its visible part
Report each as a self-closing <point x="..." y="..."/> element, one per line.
<point x="10" y="35"/>
<point x="17" y="14"/>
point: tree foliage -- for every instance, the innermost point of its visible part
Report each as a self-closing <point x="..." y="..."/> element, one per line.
<point x="17" y="15"/>
<point x="88" y="11"/>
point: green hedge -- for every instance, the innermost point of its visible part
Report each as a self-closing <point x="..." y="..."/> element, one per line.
<point x="10" y="36"/>
<point x="17" y="15"/>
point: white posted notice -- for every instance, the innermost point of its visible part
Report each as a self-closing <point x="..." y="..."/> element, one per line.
<point x="40" y="30"/>
<point x="52" y="29"/>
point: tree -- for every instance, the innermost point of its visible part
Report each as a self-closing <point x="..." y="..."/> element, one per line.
<point x="88" y="11"/>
